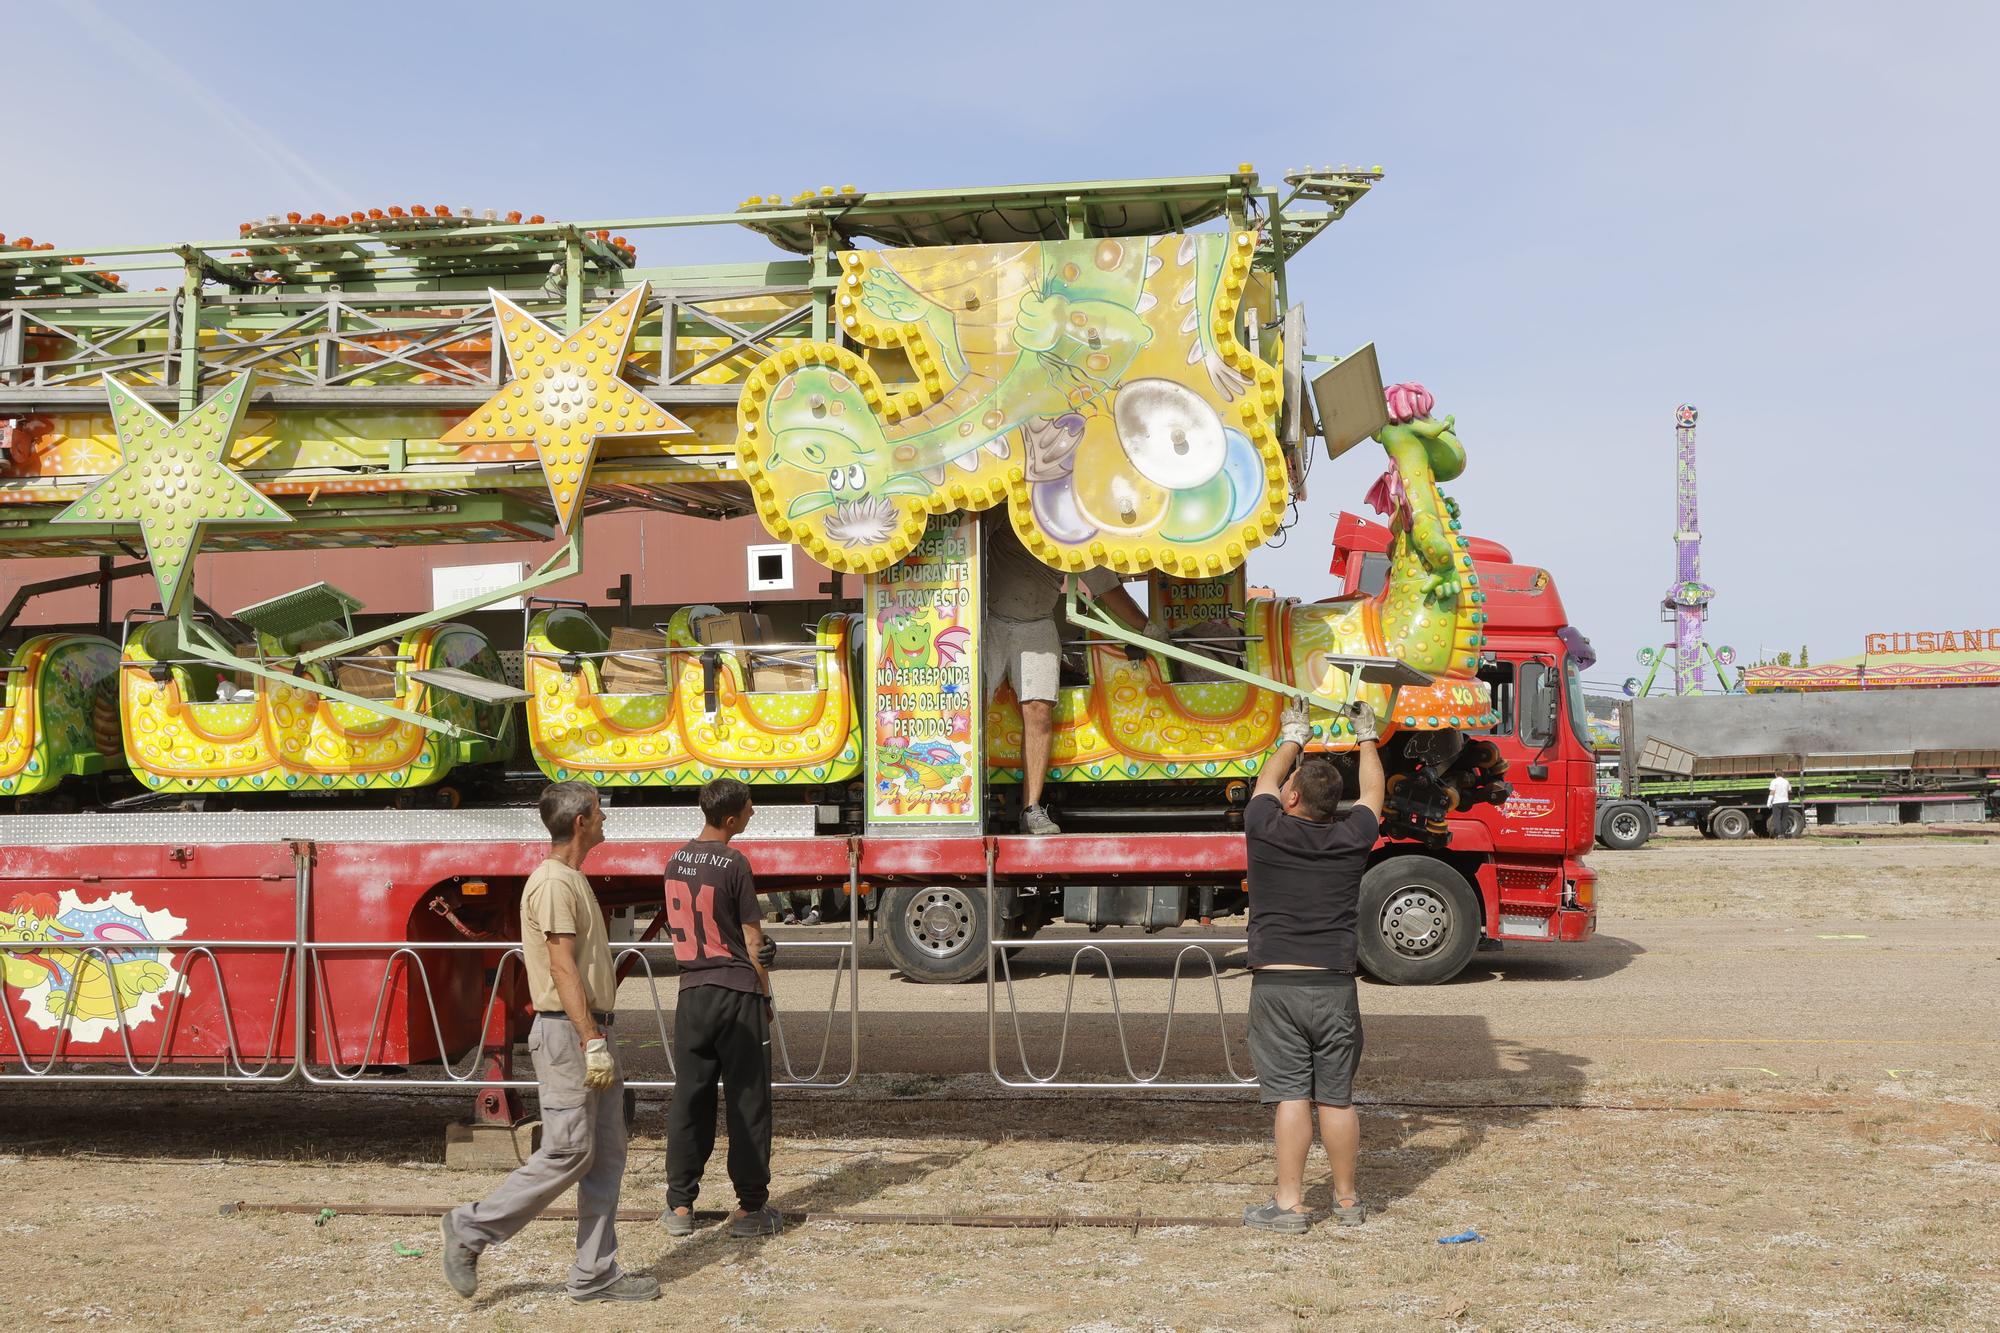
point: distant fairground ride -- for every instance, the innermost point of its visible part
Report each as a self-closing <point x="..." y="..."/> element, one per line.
<point x="1685" y="605"/>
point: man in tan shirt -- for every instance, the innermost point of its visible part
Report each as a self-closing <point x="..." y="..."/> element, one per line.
<point x="574" y="986"/>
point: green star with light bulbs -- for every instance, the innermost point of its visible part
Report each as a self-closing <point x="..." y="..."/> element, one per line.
<point x="173" y="481"/>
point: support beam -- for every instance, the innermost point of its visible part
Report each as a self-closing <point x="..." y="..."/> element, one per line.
<point x="1374" y="670"/>
<point x="556" y="568"/>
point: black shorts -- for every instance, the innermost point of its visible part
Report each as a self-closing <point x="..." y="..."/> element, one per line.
<point x="1305" y="1036"/>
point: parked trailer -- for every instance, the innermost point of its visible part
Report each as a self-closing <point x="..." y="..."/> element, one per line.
<point x="1882" y="757"/>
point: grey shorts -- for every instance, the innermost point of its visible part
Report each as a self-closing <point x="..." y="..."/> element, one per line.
<point x="1305" y="1036"/>
<point x="1027" y="652"/>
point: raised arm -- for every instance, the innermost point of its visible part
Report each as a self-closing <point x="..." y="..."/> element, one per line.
<point x="1122" y="608"/>
<point x="1374" y="788"/>
<point x="1294" y="730"/>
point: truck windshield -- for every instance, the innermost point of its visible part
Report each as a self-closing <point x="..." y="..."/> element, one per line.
<point x="1579" y="715"/>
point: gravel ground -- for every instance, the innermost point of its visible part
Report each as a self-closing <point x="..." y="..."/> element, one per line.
<point x="1764" y="1097"/>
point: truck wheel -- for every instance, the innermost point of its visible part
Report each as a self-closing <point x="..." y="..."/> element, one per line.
<point x="936" y="933"/>
<point x="1624" y="827"/>
<point x="1730" y="822"/>
<point x="1418" y="921"/>
<point x="1706" y="823"/>
<point x="1790" y="824"/>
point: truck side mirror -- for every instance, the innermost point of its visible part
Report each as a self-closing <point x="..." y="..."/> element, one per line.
<point x="1540" y="705"/>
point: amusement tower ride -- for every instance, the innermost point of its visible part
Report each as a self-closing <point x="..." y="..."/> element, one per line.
<point x="1685" y="606"/>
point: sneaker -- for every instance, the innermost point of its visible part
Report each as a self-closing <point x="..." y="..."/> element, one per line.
<point x="1270" y="1217"/>
<point x="631" y="1287"/>
<point x="766" y="1221"/>
<point x="461" y="1261"/>
<point x="1035" y="821"/>
<point x="678" y="1224"/>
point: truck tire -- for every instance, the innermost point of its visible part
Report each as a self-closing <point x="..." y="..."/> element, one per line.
<point x="1706" y="823"/>
<point x="1418" y="921"/>
<point x="1730" y="822"/>
<point x="1624" y="826"/>
<point x="1790" y="824"/>
<point x="935" y="934"/>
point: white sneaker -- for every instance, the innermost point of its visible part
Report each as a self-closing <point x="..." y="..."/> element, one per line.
<point x="1035" y="820"/>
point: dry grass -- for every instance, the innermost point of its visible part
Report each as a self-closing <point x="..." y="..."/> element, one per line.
<point x="1791" y="1213"/>
<point x="1909" y="878"/>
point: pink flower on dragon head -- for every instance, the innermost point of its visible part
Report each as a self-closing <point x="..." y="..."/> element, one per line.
<point x="1408" y="402"/>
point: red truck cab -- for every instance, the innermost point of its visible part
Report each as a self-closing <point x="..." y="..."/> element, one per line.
<point x="1523" y="859"/>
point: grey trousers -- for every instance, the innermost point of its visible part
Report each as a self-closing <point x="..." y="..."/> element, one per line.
<point x="583" y="1144"/>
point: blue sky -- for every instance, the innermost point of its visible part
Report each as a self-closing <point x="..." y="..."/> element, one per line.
<point x="1783" y="213"/>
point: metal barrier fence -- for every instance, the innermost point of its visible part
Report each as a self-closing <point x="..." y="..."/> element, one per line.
<point x="302" y="980"/>
<point x="999" y="972"/>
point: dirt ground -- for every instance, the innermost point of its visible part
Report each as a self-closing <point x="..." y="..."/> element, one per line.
<point x="1764" y="1097"/>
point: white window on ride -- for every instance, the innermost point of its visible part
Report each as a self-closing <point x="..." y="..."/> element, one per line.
<point x="768" y="568"/>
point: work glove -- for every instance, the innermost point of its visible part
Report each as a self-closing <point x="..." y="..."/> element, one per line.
<point x="767" y="952"/>
<point x="599" y="1069"/>
<point x="1363" y="719"/>
<point x="1295" y="723"/>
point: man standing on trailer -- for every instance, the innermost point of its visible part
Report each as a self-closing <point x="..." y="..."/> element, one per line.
<point x="722" y="1024"/>
<point x="1305" y="867"/>
<point x="1024" y="598"/>
<point x="567" y="956"/>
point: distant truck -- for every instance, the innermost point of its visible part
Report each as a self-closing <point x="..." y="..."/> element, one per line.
<point x="1857" y="757"/>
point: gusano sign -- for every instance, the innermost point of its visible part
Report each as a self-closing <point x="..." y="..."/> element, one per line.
<point x="1934" y="641"/>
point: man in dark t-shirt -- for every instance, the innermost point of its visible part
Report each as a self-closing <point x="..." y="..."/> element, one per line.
<point x="722" y="1024"/>
<point x="1305" y="866"/>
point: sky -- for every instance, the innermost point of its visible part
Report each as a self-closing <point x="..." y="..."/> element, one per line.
<point x="1780" y="212"/>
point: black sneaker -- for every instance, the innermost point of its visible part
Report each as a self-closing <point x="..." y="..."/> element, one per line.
<point x="678" y="1224"/>
<point x="766" y="1221"/>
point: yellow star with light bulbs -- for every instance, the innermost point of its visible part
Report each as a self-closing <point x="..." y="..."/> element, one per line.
<point x="564" y="393"/>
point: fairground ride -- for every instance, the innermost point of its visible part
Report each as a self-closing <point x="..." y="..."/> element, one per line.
<point x="339" y="814"/>
<point x="1685" y="605"/>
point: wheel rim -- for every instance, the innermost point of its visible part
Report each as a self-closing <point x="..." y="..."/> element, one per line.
<point x="1731" y="823"/>
<point x="1625" y="824"/>
<point x="1416" y="921"/>
<point x="939" y="922"/>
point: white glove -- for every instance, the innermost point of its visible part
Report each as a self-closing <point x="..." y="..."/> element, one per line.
<point x="1295" y="723"/>
<point x="598" y="1067"/>
<point x="1363" y="719"/>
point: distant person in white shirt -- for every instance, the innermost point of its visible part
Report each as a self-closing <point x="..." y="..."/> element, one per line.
<point x="1778" y="801"/>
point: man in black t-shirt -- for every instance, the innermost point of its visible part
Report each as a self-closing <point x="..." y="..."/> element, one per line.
<point x="1305" y="870"/>
<point x="722" y="1024"/>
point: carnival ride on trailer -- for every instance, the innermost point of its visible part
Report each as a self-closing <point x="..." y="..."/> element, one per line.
<point x="1115" y="365"/>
